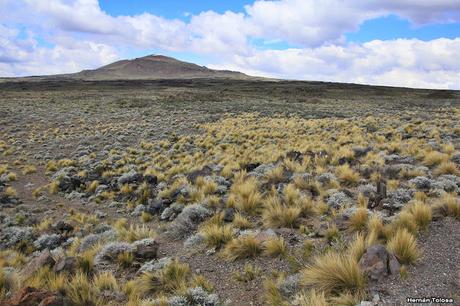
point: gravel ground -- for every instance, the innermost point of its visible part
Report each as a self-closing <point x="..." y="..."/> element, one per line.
<point x="437" y="273"/>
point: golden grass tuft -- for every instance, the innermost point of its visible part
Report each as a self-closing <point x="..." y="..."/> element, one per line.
<point x="53" y="187"/>
<point x="246" y="195"/>
<point x="275" y="247"/>
<point x="9" y="283"/>
<point x="434" y="158"/>
<point x="105" y="281"/>
<point x="278" y="215"/>
<point x="241" y="222"/>
<point x="275" y="175"/>
<point x="242" y="247"/>
<point x="29" y="169"/>
<point x="135" y="232"/>
<point x="82" y="292"/>
<point x="217" y="235"/>
<point x="311" y="298"/>
<point x="125" y="259"/>
<point x="359" y="219"/>
<point x="146" y="217"/>
<point x="250" y="272"/>
<point x="447" y="167"/>
<point x="273" y="296"/>
<point x="12" y="176"/>
<point x="92" y="186"/>
<point x="334" y="273"/>
<point x="357" y="247"/>
<point x="422" y="214"/>
<point x="448" y="205"/>
<point x="172" y="278"/>
<point x="404" y="246"/>
<point x="11" y="192"/>
<point x="347" y="175"/>
<point x="405" y="220"/>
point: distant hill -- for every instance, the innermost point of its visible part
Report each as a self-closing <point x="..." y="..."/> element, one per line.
<point x="153" y="67"/>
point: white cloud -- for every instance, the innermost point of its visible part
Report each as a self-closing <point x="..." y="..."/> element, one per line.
<point x="401" y="62"/>
<point x="21" y="57"/>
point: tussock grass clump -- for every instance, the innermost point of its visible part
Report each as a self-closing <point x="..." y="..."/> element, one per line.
<point x="334" y="273"/>
<point x="125" y="259"/>
<point x="347" y="175"/>
<point x="358" y="246"/>
<point x="9" y="282"/>
<point x="241" y="222"/>
<point x="242" y="247"/>
<point x="273" y="296"/>
<point x="311" y="298"/>
<point x="375" y="229"/>
<point x="217" y="235"/>
<point x="278" y="215"/>
<point x="246" y="194"/>
<point x="135" y="232"/>
<point x="92" y="186"/>
<point x="53" y="187"/>
<point x="105" y="281"/>
<point x="250" y="272"/>
<point x="12" y="176"/>
<point x="359" y="219"/>
<point x="275" y="247"/>
<point x="404" y="246"/>
<point x="82" y="292"/>
<point x="434" y="158"/>
<point x="421" y="213"/>
<point x="45" y="278"/>
<point x="275" y="175"/>
<point x="29" y="169"/>
<point x="405" y="220"/>
<point x="447" y="167"/>
<point x="146" y="217"/>
<point x="11" y="192"/>
<point x="172" y="278"/>
<point x="448" y="205"/>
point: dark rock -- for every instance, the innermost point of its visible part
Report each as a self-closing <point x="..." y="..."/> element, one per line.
<point x="68" y="184"/>
<point x="205" y="171"/>
<point x="145" y="248"/>
<point x="229" y="214"/>
<point x="67" y="264"/>
<point x="44" y="259"/>
<point x="360" y="152"/>
<point x="155" y="207"/>
<point x="130" y="177"/>
<point x="251" y="166"/>
<point x="151" y="179"/>
<point x="63" y="226"/>
<point x="295" y="156"/>
<point x="378" y="263"/>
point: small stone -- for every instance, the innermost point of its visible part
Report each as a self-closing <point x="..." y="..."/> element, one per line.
<point x="44" y="259"/>
<point x="67" y="264"/>
<point x="145" y="248"/>
<point x="229" y="214"/>
<point x="378" y="263"/>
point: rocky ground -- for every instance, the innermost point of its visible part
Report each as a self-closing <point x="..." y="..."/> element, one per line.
<point x="227" y="192"/>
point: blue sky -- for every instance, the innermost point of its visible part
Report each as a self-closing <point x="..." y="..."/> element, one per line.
<point x="385" y="42"/>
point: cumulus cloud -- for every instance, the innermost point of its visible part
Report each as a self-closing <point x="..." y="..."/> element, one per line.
<point x="79" y="34"/>
<point x="24" y="56"/>
<point x="401" y="62"/>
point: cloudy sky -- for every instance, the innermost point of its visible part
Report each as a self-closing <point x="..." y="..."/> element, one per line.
<point x="413" y="43"/>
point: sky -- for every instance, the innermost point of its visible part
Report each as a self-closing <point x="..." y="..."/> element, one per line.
<point x="410" y="43"/>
